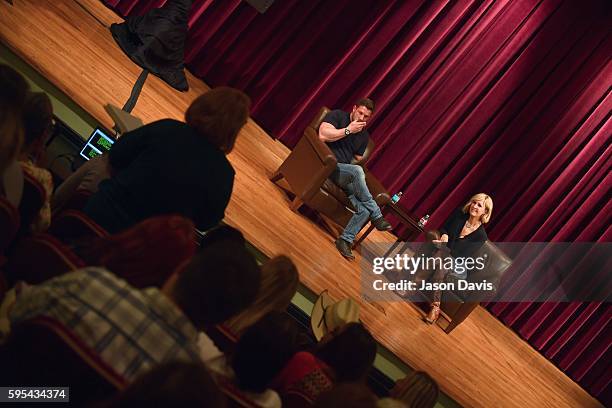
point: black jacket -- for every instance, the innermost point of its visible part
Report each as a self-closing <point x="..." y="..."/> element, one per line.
<point x="163" y="168"/>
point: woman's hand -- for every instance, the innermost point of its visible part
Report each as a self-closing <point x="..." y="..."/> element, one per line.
<point x="439" y="243"/>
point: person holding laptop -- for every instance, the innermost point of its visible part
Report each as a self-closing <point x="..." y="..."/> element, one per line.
<point x="174" y="167"/>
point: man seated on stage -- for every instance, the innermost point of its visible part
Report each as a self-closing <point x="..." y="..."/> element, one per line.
<point x="346" y="136"/>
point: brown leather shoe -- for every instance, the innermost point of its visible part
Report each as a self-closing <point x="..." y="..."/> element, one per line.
<point x="433" y="314"/>
<point x="344" y="248"/>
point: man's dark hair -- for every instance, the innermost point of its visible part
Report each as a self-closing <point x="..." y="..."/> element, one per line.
<point x="350" y="353"/>
<point x="264" y="349"/>
<point x="37" y="116"/>
<point x="220" y="281"/>
<point x="365" y="102"/>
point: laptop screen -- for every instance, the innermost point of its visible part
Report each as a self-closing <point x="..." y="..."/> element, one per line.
<point x="98" y="143"/>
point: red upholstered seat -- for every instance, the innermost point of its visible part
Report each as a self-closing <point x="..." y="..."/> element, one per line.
<point x="39" y="257"/>
<point x="43" y="352"/>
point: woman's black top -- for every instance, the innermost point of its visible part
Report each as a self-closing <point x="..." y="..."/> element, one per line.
<point x="466" y="246"/>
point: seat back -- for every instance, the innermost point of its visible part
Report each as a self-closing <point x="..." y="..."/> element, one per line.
<point x="72" y="225"/>
<point x="32" y="200"/>
<point x="308" y="165"/>
<point x="9" y="224"/>
<point x="43" y="352"/>
<point x="457" y="305"/>
<point x="318" y="119"/>
<point x="496" y="264"/>
<point x="39" y="257"/>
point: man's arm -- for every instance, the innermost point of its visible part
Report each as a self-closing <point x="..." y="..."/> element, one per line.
<point x="329" y="133"/>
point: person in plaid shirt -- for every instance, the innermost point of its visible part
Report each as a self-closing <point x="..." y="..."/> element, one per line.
<point x="133" y="330"/>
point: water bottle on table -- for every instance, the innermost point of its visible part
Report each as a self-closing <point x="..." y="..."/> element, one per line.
<point x="423" y="220"/>
<point x="396" y="197"/>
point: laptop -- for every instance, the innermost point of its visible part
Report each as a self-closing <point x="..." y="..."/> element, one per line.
<point x="98" y="143"/>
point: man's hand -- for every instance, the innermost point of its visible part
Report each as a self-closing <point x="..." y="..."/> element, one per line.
<point x="356" y="126"/>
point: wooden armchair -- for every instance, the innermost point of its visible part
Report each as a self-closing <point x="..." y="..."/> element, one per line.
<point x="307" y="170"/>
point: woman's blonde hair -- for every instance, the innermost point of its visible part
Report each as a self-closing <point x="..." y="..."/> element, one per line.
<point x="279" y="282"/>
<point x="488" y="203"/>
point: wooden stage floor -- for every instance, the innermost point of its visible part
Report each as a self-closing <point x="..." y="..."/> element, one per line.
<point x="481" y="364"/>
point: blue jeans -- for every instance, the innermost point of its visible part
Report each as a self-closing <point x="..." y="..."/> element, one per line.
<point x="351" y="179"/>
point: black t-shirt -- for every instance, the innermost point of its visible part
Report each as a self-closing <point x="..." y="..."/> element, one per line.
<point x="466" y="246"/>
<point x="349" y="146"/>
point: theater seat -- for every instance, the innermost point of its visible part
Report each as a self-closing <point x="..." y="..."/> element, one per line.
<point x="42" y="352"/>
<point x="9" y="225"/>
<point x="73" y="225"/>
<point x="39" y="257"/>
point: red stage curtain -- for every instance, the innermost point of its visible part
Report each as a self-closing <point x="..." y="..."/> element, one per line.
<point x="506" y="97"/>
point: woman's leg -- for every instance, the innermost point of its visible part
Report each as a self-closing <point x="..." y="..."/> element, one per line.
<point x="438" y="277"/>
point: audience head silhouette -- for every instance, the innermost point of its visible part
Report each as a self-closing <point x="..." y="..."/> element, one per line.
<point x="13" y="91"/>
<point x="37" y="120"/>
<point x="350" y="352"/>
<point x="221" y="280"/>
<point x="264" y="349"/>
<point x="218" y="115"/>
<point x="279" y="282"/>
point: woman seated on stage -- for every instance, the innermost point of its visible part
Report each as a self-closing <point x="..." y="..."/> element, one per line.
<point x="462" y="233"/>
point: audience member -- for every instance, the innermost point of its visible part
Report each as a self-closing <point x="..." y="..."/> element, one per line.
<point x="173" y="385"/>
<point x="261" y="353"/>
<point x="133" y="330"/>
<point x="347" y="395"/>
<point x="349" y="351"/>
<point x="463" y="234"/>
<point x="279" y="282"/>
<point x="172" y="167"/>
<point x="303" y="379"/>
<point x="416" y="390"/>
<point x="37" y="124"/>
<point x="264" y="349"/>
<point x="13" y="91"/>
<point x="145" y="254"/>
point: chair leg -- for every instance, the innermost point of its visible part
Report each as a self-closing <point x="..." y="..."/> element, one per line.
<point x="276" y="176"/>
<point x="331" y="227"/>
<point x="296" y="204"/>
